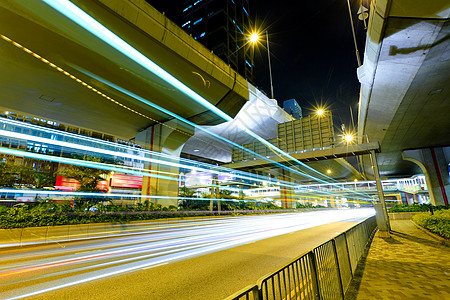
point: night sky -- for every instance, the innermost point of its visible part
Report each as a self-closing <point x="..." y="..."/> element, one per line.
<point x="313" y="55"/>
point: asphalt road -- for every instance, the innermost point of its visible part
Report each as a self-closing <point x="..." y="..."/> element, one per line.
<point x="184" y="259"/>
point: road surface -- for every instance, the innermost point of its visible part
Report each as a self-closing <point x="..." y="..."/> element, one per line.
<point x="183" y="259"/>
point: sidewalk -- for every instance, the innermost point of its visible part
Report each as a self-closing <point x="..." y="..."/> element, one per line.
<point x="408" y="265"/>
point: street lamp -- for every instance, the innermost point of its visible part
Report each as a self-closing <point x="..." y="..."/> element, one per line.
<point x="320" y="112"/>
<point x="348" y="137"/>
<point x="358" y="59"/>
<point x="254" y="38"/>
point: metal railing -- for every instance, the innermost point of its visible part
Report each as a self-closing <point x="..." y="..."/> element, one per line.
<point x="322" y="273"/>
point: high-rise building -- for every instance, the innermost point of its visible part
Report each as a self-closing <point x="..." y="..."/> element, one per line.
<point x="291" y="107"/>
<point x="222" y="26"/>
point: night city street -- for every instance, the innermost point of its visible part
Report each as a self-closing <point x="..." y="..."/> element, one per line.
<point x="224" y="149"/>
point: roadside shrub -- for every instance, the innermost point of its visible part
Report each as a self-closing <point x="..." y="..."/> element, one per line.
<point x="416" y="207"/>
<point x="438" y="223"/>
<point x="50" y="213"/>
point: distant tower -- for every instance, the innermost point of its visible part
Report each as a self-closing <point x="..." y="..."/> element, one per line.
<point x="222" y="26"/>
<point x="291" y="107"/>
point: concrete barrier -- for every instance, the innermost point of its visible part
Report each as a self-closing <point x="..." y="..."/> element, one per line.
<point x="403" y="215"/>
<point x="57" y="233"/>
<point x="34" y="235"/>
<point x="63" y="233"/>
<point x="10" y="236"/>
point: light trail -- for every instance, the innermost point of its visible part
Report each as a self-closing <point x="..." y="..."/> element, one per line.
<point x="188" y="164"/>
<point x="80" y="17"/>
<point x="83" y="19"/>
<point x="176" y="116"/>
<point x="121" y="254"/>
<point x="222" y="138"/>
<point x="78" y="162"/>
<point x="78" y="146"/>
<point x="144" y="197"/>
<point x="210" y="133"/>
<point x="27" y="137"/>
<point x="140" y="156"/>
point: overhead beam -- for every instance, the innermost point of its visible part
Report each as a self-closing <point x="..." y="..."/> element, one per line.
<point x="330" y="153"/>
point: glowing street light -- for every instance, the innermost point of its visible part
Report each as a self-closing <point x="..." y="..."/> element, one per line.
<point x="254" y="38"/>
<point x="320" y="112"/>
<point x="348" y="138"/>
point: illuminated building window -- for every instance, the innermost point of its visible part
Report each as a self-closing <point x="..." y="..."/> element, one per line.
<point x="198" y="21"/>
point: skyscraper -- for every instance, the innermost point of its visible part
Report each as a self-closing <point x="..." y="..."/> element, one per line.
<point x="291" y="107"/>
<point x="222" y="26"/>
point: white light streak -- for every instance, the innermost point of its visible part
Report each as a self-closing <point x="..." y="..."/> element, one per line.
<point x="153" y="247"/>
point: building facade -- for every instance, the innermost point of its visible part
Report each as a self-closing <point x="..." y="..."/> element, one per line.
<point x="222" y="26"/>
<point x="291" y="107"/>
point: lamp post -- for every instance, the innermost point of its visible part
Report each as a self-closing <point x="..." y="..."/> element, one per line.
<point x="358" y="59"/>
<point x="254" y="38"/>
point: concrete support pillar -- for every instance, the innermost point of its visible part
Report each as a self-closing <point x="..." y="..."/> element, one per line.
<point x="403" y="198"/>
<point x="434" y="166"/>
<point x="409" y="199"/>
<point x="212" y="196"/>
<point x="167" y="138"/>
<point x="287" y="193"/>
<point x="332" y="202"/>
<point x="215" y="193"/>
<point x="380" y="208"/>
<point x="416" y="198"/>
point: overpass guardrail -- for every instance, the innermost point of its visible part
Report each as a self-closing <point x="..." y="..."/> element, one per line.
<point x="325" y="272"/>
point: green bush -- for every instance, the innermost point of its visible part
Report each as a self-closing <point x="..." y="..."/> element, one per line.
<point x="438" y="223"/>
<point x="416" y="207"/>
<point x="50" y="213"/>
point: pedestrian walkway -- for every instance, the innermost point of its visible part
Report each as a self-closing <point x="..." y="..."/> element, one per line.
<point x="410" y="264"/>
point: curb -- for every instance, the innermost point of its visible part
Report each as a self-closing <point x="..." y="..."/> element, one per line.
<point x="439" y="238"/>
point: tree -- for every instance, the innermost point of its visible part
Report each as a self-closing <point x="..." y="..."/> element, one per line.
<point x="8" y="174"/>
<point x="44" y="179"/>
<point x="87" y="177"/>
<point x="186" y="192"/>
<point x="12" y="174"/>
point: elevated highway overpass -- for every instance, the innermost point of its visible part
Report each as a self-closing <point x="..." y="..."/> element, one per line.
<point x="404" y="97"/>
<point x="73" y="72"/>
<point x="115" y="67"/>
<point x="123" y="69"/>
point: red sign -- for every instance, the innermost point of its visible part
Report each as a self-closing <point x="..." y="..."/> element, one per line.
<point x="70" y="184"/>
<point x="126" y="181"/>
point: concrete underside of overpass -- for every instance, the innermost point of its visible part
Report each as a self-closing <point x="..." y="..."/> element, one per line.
<point x="405" y="79"/>
<point x="31" y="86"/>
